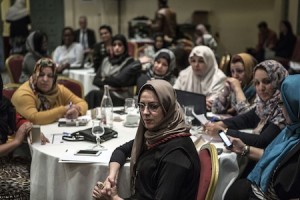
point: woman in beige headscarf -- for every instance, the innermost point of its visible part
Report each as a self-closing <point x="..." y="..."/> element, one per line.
<point x="163" y="157"/>
<point x="239" y="92"/>
<point x="202" y="76"/>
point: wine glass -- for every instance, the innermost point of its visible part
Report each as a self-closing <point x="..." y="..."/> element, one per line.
<point x="98" y="130"/>
<point x="129" y="105"/>
<point x="188" y="110"/>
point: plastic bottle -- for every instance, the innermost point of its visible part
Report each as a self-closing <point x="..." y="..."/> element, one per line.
<point x="107" y="108"/>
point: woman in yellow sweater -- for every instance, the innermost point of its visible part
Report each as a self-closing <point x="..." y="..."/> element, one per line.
<point x="42" y="101"/>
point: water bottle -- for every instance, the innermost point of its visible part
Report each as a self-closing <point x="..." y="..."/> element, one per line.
<point x="107" y="108"/>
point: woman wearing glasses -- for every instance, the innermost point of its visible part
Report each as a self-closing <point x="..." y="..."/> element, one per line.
<point x="42" y="101"/>
<point x="164" y="162"/>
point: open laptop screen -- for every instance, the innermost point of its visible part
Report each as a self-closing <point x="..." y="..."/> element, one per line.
<point x="189" y="98"/>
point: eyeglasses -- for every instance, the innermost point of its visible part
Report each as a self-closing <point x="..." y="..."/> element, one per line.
<point x="152" y="107"/>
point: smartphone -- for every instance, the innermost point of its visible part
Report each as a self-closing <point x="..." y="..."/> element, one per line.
<point x="225" y="139"/>
<point x="88" y="152"/>
<point x="36" y="134"/>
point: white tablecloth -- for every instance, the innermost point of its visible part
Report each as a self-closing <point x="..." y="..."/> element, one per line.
<point x="85" y="76"/>
<point x="62" y="181"/>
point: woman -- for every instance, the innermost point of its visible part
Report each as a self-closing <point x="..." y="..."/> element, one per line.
<point x="162" y="68"/>
<point x="159" y="43"/>
<point x="11" y="166"/>
<point x="113" y="72"/>
<point x="203" y="37"/>
<point x="266" y="118"/>
<point x="36" y="44"/>
<point x="46" y="101"/>
<point x="202" y="76"/>
<point x="70" y="53"/>
<point x="239" y="92"/>
<point x="161" y="143"/>
<point x="286" y="43"/>
<point x="276" y="175"/>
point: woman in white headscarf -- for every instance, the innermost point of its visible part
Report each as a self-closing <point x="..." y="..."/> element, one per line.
<point x="202" y="76"/>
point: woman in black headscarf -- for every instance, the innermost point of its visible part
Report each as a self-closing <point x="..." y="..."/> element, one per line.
<point x="112" y="73"/>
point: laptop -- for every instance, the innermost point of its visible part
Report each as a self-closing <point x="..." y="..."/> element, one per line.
<point x="189" y="98"/>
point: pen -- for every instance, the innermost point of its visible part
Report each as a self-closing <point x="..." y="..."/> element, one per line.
<point x="214" y="119"/>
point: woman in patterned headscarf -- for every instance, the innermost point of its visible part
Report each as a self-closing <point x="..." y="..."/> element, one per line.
<point x="277" y="173"/>
<point x="239" y="92"/>
<point x="266" y="118"/>
<point x="46" y="101"/>
<point x="164" y="162"/>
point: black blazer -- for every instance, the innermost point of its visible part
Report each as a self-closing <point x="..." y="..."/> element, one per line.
<point x="90" y="37"/>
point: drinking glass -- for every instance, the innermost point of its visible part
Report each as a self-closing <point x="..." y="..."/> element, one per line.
<point x="188" y="110"/>
<point x="129" y="105"/>
<point x="98" y="131"/>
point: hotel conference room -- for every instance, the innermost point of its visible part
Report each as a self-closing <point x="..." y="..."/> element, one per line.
<point x="103" y="60"/>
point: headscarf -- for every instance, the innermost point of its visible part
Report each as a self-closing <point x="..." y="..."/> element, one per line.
<point x="116" y="60"/>
<point x="45" y="100"/>
<point x="172" y="124"/>
<point x="249" y="63"/>
<point x="17" y="11"/>
<point x="34" y="40"/>
<point x="169" y="56"/>
<point x="269" y="110"/>
<point x="285" y="141"/>
<point x="212" y="79"/>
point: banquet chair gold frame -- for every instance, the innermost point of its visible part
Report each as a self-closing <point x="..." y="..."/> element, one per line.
<point x="65" y="80"/>
<point x="14" y="71"/>
<point x="214" y="169"/>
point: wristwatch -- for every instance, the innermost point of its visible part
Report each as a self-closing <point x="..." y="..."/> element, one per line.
<point x="246" y="150"/>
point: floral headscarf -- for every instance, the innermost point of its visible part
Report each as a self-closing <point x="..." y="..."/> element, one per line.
<point x="46" y="100"/>
<point x="269" y="110"/>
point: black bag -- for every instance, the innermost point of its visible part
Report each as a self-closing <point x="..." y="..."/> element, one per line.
<point x="88" y="136"/>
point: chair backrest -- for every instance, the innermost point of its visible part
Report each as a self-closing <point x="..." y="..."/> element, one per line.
<point x="224" y="64"/>
<point x="14" y="65"/>
<point x="9" y="89"/>
<point x="209" y="171"/>
<point x="73" y="85"/>
<point x="132" y="49"/>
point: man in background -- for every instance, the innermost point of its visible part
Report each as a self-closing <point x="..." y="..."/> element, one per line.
<point x="85" y="36"/>
<point x="103" y="48"/>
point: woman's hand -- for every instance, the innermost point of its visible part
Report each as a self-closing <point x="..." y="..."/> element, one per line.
<point x="106" y="190"/>
<point x="209" y="103"/>
<point x="237" y="145"/>
<point x="234" y="84"/>
<point x="212" y="128"/>
<point x="44" y="140"/>
<point x="23" y="131"/>
<point x="72" y="112"/>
